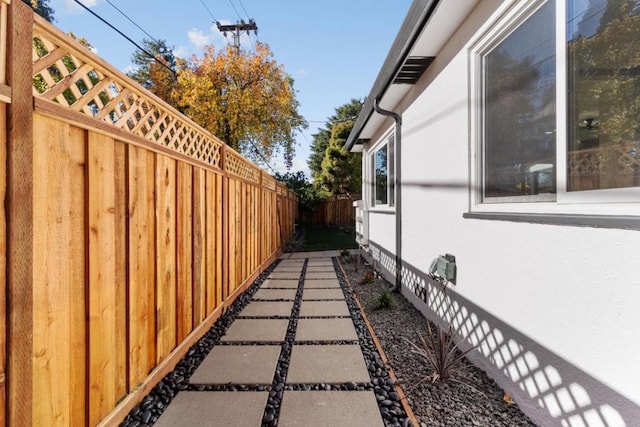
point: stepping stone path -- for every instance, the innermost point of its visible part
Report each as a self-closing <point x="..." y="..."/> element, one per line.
<point x="294" y="352"/>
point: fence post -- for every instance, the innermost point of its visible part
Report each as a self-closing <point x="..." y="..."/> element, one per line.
<point x="20" y="181"/>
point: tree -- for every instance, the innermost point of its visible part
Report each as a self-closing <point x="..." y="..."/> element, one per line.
<point x="297" y="182"/>
<point x="244" y="98"/>
<point x="158" y="74"/>
<point x="42" y="8"/>
<point x="320" y="142"/>
<point x="341" y="170"/>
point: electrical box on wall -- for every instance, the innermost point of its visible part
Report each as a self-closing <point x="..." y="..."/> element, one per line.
<point x="444" y="268"/>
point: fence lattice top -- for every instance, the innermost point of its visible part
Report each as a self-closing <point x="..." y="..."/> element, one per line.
<point x="69" y="74"/>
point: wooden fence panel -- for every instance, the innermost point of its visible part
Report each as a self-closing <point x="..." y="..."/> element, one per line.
<point x="59" y="317"/>
<point x="124" y="249"/>
<point x="165" y="256"/>
<point x="199" y="246"/>
<point x="142" y="255"/>
<point x="184" y="295"/>
<point x="103" y="304"/>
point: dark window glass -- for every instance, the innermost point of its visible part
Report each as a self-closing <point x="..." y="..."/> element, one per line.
<point x="381" y="170"/>
<point x="520" y="109"/>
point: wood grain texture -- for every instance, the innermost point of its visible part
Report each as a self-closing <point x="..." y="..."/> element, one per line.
<point x="184" y="216"/>
<point x="199" y="246"/>
<point x="165" y="256"/>
<point x="141" y="290"/>
<point x="59" y="296"/>
<point x="103" y="351"/>
<point x="20" y="259"/>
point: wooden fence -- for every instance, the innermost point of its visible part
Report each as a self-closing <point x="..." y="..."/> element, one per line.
<point x="129" y="230"/>
<point x="333" y="211"/>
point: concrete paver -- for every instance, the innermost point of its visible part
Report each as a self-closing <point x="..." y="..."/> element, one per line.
<point x="280" y="284"/>
<point x="325" y="330"/>
<point x="267" y="309"/>
<point x="324" y="308"/>
<point x="321" y="283"/>
<point x="214" y="409"/>
<point x="325" y="275"/>
<point x="329" y="408"/>
<point x="275" y="294"/>
<point x="259" y="330"/>
<point x="320" y="264"/>
<point x="327" y="364"/>
<point x="284" y="275"/>
<point x="238" y="364"/>
<point x="316" y="294"/>
<point x="290" y="269"/>
<point x="321" y="269"/>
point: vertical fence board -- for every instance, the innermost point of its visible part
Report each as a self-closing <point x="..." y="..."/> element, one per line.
<point x="165" y="256"/>
<point x="244" y="243"/>
<point x="120" y="283"/>
<point x="103" y="358"/>
<point x="211" y="241"/>
<point x="3" y="261"/>
<point x="59" y="321"/>
<point x="20" y="175"/>
<point x="219" y="237"/>
<point x="184" y="295"/>
<point x="141" y="264"/>
<point x="232" y="242"/>
<point x="199" y="245"/>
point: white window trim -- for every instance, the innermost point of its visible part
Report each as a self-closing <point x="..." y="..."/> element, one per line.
<point x="370" y="163"/>
<point x="619" y="201"/>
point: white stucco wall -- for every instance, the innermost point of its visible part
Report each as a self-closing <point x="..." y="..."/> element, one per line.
<point x="573" y="290"/>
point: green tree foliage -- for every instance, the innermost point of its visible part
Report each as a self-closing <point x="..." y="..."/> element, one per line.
<point x="158" y="74"/>
<point x="341" y="170"/>
<point x="298" y="182"/>
<point x="320" y="142"/>
<point x="42" y="8"/>
<point x="245" y="98"/>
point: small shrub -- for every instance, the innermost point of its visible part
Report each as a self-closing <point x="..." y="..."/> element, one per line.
<point x="385" y="300"/>
<point x="345" y="254"/>
<point x="368" y="278"/>
<point x="441" y="351"/>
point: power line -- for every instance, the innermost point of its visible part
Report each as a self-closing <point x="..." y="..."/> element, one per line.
<point x="234" y="8"/>
<point x="150" y="55"/>
<point x="208" y="10"/>
<point x="245" y="10"/>
<point x="132" y="21"/>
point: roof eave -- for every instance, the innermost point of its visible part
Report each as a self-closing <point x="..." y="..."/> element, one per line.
<point x="417" y="17"/>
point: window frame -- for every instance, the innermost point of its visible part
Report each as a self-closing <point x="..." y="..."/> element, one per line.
<point x="388" y="140"/>
<point x="617" y="201"/>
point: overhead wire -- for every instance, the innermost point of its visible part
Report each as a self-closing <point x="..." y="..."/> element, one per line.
<point x="243" y="8"/>
<point x="150" y="55"/>
<point x="208" y="10"/>
<point x="234" y="8"/>
<point x="132" y="21"/>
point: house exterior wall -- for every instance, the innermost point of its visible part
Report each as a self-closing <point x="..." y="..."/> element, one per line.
<point x="552" y="308"/>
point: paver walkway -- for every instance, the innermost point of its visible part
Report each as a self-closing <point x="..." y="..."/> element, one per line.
<point x="298" y="316"/>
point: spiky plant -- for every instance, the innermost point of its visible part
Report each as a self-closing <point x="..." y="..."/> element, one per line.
<point x="385" y="300"/>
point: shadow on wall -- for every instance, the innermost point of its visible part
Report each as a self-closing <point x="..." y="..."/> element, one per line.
<point x="550" y="390"/>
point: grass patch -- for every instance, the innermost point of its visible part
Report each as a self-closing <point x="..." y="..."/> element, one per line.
<point x="327" y="238"/>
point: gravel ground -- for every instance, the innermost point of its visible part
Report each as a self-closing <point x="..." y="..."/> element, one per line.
<point x="435" y="404"/>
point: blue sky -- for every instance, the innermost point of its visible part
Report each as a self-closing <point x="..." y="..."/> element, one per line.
<point x="332" y="48"/>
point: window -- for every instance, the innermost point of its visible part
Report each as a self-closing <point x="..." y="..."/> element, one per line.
<point x="556" y="110"/>
<point x="520" y="111"/>
<point x="382" y="166"/>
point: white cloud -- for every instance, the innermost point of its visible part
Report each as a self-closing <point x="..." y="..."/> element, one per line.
<point x="198" y="38"/>
<point x="70" y="7"/>
<point x="182" y="52"/>
<point x="302" y="72"/>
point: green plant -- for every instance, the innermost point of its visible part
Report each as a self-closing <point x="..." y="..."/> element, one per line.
<point x="368" y="278"/>
<point x="441" y="351"/>
<point x="345" y="254"/>
<point x="385" y="300"/>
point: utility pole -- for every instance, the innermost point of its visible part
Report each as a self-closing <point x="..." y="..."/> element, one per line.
<point x="237" y="29"/>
